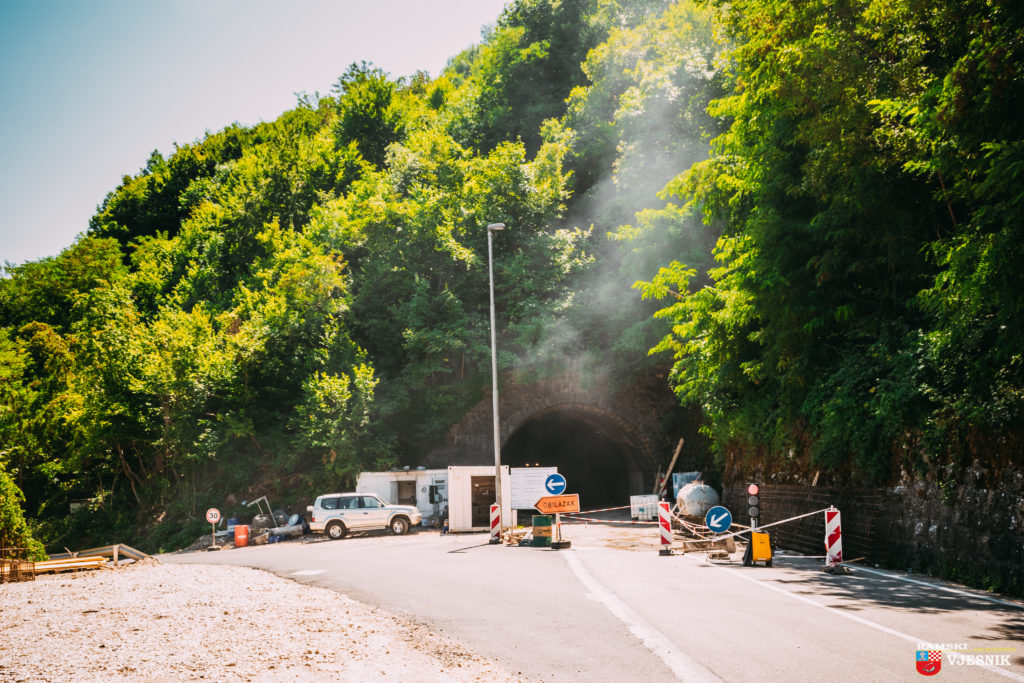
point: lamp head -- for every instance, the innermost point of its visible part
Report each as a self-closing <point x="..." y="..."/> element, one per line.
<point x="496" y="226"/>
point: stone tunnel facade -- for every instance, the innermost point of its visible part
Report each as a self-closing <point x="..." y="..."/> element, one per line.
<point x="626" y="426"/>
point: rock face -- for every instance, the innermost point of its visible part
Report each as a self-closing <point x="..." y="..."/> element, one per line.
<point x="970" y="528"/>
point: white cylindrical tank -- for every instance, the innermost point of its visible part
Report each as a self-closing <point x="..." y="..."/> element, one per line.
<point x="696" y="498"/>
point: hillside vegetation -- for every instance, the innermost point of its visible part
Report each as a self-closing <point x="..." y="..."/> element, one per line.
<point x="810" y="210"/>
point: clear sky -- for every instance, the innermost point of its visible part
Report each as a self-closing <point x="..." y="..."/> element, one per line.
<point x="90" y="89"/>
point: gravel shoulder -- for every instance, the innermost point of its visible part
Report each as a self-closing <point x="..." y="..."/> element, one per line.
<point x="162" y="622"/>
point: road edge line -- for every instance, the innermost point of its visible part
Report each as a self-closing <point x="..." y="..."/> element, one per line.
<point x="975" y="596"/>
<point x="682" y="665"/>
<point x="853" y="617"/>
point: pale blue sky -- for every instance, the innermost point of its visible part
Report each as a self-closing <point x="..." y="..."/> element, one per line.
<point x="91" y="88"/>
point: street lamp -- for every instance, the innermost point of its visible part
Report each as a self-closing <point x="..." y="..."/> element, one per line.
<point x="494" y="372"/>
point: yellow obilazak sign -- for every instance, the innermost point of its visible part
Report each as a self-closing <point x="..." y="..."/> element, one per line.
<point x="567" y="502"/>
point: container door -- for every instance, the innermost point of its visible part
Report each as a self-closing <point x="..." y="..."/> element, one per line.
<point x="407" y="493"/>
<point x="483" y="498"/>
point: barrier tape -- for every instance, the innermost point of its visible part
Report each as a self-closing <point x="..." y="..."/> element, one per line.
<point x="695" y="529"/>
<point x="575" y="520"/>
<point x="590" y="512"/>
<point x="700" y="530"/>
<point x="765" y="526"/>
<point x="574" y="517"/>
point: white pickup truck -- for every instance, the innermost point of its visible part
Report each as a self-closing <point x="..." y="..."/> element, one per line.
<point x="336" y="514"/>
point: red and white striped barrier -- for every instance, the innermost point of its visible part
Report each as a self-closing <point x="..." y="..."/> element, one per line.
<point x="833" y="538"/>
<point x="495" y="523"/>
<point x="665" y="523"/>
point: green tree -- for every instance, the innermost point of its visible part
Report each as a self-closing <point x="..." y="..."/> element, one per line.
<point x="370" y="115"/>
<point x="14" y="530"/>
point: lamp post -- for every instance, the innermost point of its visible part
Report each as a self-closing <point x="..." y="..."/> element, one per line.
<point x="494" y="373"/>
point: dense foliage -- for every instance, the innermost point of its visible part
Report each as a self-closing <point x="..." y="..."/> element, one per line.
<point x="866" y="295"/>
<point x="821" y="195"/>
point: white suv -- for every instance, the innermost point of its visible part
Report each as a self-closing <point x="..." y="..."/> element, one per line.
<point x="335" y="514"/>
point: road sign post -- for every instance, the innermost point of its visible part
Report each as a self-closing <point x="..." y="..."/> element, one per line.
<point x="213" y="516"/>
<point x="557" y="503"/>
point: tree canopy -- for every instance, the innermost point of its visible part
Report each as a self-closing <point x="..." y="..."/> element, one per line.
<point x="818" y="203"/>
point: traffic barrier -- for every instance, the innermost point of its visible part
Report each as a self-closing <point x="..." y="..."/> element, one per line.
<point x="833" y="539"/>
<point x="665" y="523"/>
<point x="495" y="523"/>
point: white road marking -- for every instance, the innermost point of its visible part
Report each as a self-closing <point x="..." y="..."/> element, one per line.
<point x="853" y="617"/>
<point x="682" y="665"/>
<point x="308" y="572"/>
<point x="937" y="587"/>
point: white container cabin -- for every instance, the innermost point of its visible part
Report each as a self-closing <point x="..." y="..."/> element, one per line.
<point x="471" y="491"/>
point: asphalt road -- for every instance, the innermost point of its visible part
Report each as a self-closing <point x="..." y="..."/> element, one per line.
<point x="597" y="612"/>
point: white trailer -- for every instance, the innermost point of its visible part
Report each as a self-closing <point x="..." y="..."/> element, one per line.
<point x="426" y="489"/>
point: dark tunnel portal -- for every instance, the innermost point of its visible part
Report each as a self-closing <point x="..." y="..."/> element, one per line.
<point x="594" y="463"/>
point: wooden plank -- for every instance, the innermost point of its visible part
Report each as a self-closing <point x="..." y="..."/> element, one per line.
<point x="104" y="551"/>
<point x="668" y="474"/>
<point x="71" y="563"/>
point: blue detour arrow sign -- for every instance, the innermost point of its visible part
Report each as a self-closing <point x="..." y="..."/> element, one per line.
<point x="718" y="519"/>
<point x="554" y="484"/>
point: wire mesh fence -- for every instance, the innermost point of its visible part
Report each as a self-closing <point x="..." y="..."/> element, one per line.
<point x="14" y="566"/>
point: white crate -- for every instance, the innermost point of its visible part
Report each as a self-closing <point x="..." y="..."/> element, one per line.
<point x="643" y="508"/>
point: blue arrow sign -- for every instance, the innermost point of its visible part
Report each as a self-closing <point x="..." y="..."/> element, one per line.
<point x="554" y="484"/>
<point x="718" y="519"/>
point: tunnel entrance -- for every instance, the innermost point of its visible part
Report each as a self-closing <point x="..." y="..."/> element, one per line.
<point x="590" y="450"/>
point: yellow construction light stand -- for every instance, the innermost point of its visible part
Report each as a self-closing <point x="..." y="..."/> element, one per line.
<point x="759" y="549"/>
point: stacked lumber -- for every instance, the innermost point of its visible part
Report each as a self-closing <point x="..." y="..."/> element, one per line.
<point x="71" y="563"/>
<point x="113" y="551"/>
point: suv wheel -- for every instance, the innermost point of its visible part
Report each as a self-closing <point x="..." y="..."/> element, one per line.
<point x="335" y="530"/>
<point x="399" y="526"/>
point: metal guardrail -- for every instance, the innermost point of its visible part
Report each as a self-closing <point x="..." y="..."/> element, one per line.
<point x="112" y="551"/>
<point x="66" y="564"/>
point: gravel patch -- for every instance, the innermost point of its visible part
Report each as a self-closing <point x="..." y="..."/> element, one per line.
<point x="149" y="621"/>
